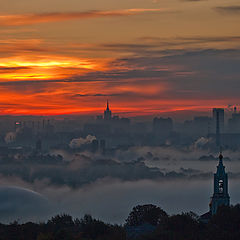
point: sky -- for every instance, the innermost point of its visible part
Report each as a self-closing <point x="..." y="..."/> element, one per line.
<point x="146" y="56"/>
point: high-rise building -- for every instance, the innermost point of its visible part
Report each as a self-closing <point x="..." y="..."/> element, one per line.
<point x="201" y="125"/>
<point x="107" y="113"/>
<point x="234" y="122"/>
<point x="218" y="117"/>
<point x="162" y="126"/>
<point x="220" y="196"/>
<point x="39" y="145"/>
<point x="218" y="124"/>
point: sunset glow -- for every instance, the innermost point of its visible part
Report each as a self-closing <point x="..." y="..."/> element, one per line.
<point x="146" y="57"/>
<point x="45" y="68"/>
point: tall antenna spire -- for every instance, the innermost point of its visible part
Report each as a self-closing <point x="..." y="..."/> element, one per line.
<point x="220" y="150"/>
<point x="107" y="105"/>
<point x="220" y="156"/>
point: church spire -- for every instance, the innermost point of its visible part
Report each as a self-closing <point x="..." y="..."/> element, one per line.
<point x="220" y="163"/>
<point x="220" y="159"/>
<point x="220" y="195"/>
<point x="220" y="167"/>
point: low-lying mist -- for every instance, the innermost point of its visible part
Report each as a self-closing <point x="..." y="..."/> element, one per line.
<point x="108" y="186"/>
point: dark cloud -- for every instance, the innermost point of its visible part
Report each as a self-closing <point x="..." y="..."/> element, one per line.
<point x="184" y="72"/>
<point x="235" y="9"/>
<point x="143" y="46"/>
<point x="157" y="43"/>
<point x="29" y="19"/>
<point x="212" y="158"/>
<point x="209" y="74"/>
<point x="96" y="95"/>
<point x="12" y="69"/>
<point x="193" y="0"/>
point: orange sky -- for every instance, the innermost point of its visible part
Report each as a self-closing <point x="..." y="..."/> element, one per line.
<point x="146" y="57"/>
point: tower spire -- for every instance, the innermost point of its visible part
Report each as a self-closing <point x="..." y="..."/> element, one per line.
<point x="220" y="156"/>
<point x="220" y="195"/>
<point x="107" y="113"/>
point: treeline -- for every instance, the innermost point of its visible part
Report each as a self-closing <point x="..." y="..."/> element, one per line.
<point x="62" y="227"/>
<point x="146" y="222"/>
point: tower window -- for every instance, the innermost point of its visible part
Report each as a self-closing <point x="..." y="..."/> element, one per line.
<point x="220" y="186"/>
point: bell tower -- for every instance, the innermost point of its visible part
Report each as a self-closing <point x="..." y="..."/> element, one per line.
<point x="220" y="195"/>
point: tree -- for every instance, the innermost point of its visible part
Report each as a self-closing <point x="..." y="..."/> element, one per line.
<point x="92" y="228"/>
<point x="178" y="227"/>
<point x="146" y="214"/>
<point x="63" y="220"/>
<point x="46" y="236"/>
<point x="226" y="222"/>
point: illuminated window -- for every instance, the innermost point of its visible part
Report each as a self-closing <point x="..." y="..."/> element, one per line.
<point x="220" y="185"/>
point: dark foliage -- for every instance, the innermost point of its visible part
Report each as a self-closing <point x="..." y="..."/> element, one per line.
<point x="146" y="214"/>
<point x="63" y="227"/>
<point x="182" y="226"/>
<point x="225" y="225"/>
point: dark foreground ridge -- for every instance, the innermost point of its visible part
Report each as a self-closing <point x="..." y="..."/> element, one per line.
<point x="146" y="222"/>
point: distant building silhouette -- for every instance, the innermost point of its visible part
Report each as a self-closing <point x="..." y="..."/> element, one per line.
<point x="162" y="126"/>
<point x="234" y="122"/>
<point x="218" y="116"/>
<point x="220" y="195"/>
<point x="107" y="113"/>
<point x="218" y="124"/>
<point x="218" y="136"/>
<point x="202" y="125"/>
<point x="99" y="117"/>
<point x="39" y="145"/>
